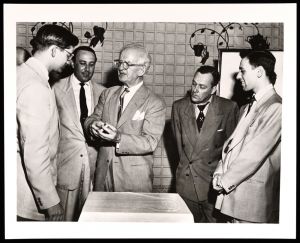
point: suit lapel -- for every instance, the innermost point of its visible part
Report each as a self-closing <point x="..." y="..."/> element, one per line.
<point x="114" y="106"/>
<point x="189" y="122"/>
<point x="69" y="102"/>
<point x="93" y="101"/>
<point x="211" y="122"/>
<point x="136" y="101"/>
<point x="243" y="128"/>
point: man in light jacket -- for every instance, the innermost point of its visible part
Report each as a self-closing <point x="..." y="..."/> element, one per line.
<point x="76" y="154"/>
<point x="38" y="125"/>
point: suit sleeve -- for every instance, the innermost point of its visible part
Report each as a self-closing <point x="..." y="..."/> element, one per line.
<point x="231" y="123"/>
<point x="176" y="128"/>
<point x="33" y="116"/>
<point x="97" y="114"/>
<point x="232" y="120"/>
<point x="254" y="153"/>
<point x="150" y="135"/>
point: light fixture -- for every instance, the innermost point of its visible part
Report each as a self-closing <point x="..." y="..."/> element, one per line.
<point x="258" y="42"/>
<point x="200" y="50"/>
<point x="98" y="35"/>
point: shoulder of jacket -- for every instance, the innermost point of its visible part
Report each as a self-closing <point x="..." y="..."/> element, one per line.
<point x="226" y="102"/>
<point x="61" y="83"/>
<point x="181" y="101"/>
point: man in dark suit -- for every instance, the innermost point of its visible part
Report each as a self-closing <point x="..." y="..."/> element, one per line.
<point x="201" y="124"/>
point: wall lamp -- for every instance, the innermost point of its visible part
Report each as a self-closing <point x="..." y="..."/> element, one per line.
<point x="98" y="35"/>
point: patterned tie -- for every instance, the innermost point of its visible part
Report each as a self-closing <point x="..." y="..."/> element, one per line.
<point x="121" y="102"/>
<point x="251" y="100"/>
<point x="200" y="118"/>
<point x="83" y="106"/>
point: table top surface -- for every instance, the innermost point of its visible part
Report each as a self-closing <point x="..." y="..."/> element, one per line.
<point x="135" y="207"/>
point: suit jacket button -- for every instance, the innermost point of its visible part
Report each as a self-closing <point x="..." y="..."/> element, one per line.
<point x="209" y="162"/>
<point x="81" y="155"/>
<point x="191" y="162"/>
<point x="187" y="174"/>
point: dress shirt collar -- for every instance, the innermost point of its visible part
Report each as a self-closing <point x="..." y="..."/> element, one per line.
<point x="206" y="103"/>
<point x="134" y="88"/>
<point x="38" y="65"/>
<point x="75" y="81"/>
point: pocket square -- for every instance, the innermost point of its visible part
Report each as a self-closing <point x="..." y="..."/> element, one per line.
<point x="220" y="130"/>
<point x="138" y="116"/>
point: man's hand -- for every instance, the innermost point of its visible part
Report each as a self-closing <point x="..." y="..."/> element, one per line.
<point x="109" y="133"/>
<point x="217" y="185"/>
<point x="95" y="128"/>
<point x="55" y="213"/>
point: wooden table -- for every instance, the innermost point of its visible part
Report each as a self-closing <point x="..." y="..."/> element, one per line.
<point x="135" y="207"/>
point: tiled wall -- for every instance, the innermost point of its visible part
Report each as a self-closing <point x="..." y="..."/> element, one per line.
<point x="173" y="64"/>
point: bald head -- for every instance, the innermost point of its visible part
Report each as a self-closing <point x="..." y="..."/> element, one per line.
<point x="141" y="53"/>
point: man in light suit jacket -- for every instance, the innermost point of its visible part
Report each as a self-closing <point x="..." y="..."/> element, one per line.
<point x="76" y="155"/>
<point x="38" y="125"/>
<point x="200" y="145"/>
<point x="247" y="177"/>
<point x="130" y="120"/>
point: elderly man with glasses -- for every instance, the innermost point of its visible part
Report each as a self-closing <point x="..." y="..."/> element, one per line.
<point x="129" y="121"/>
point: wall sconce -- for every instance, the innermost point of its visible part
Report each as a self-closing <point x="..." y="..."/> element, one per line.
<point x="258" y="42"/>
<point x="98" y="35"/>
<point x="200" y="49"/>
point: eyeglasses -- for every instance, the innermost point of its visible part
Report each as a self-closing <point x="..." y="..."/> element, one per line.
<point x="126" y="65"/>
<point x="69" y="54"/>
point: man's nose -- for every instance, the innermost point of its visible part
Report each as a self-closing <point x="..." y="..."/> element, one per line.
<point x="196" y="89"/>
<point x="121" y="67"/>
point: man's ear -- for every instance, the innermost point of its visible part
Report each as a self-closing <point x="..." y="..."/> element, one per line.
<point x="260" y="71"/>
<point x="53" y="50"/>
<point x="72" y="63"/>
<point x="214" y="89"/>
<point x="142" y="71"/>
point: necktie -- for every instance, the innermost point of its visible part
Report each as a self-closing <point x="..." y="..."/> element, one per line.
<point x="252" y="99"/>
<point x="200" y="118"/>
<point x="121" y="102"/>
<point x="83" y="106"/>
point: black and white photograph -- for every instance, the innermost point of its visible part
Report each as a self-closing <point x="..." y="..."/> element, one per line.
<point x="150" y="120"/>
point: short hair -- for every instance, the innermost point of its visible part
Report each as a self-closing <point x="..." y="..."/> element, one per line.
<point x="84" y="48"/>
<point x="51" y="34"/>
<point x="22" y="55"/>
<point x="213" y="71"/>
<point x="265" y="59"/>
<point x="144" y="54"/>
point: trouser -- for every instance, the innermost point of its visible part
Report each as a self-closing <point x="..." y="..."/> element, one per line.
<point x="25" y="219"/>
<point x="233" y="220"/>
<point x="204" y="212"/>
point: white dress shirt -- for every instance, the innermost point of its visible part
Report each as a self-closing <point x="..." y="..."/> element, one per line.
<point x="197" y="111"/>
<point x="128" y="96"/>
<point x="88" y="94"/>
